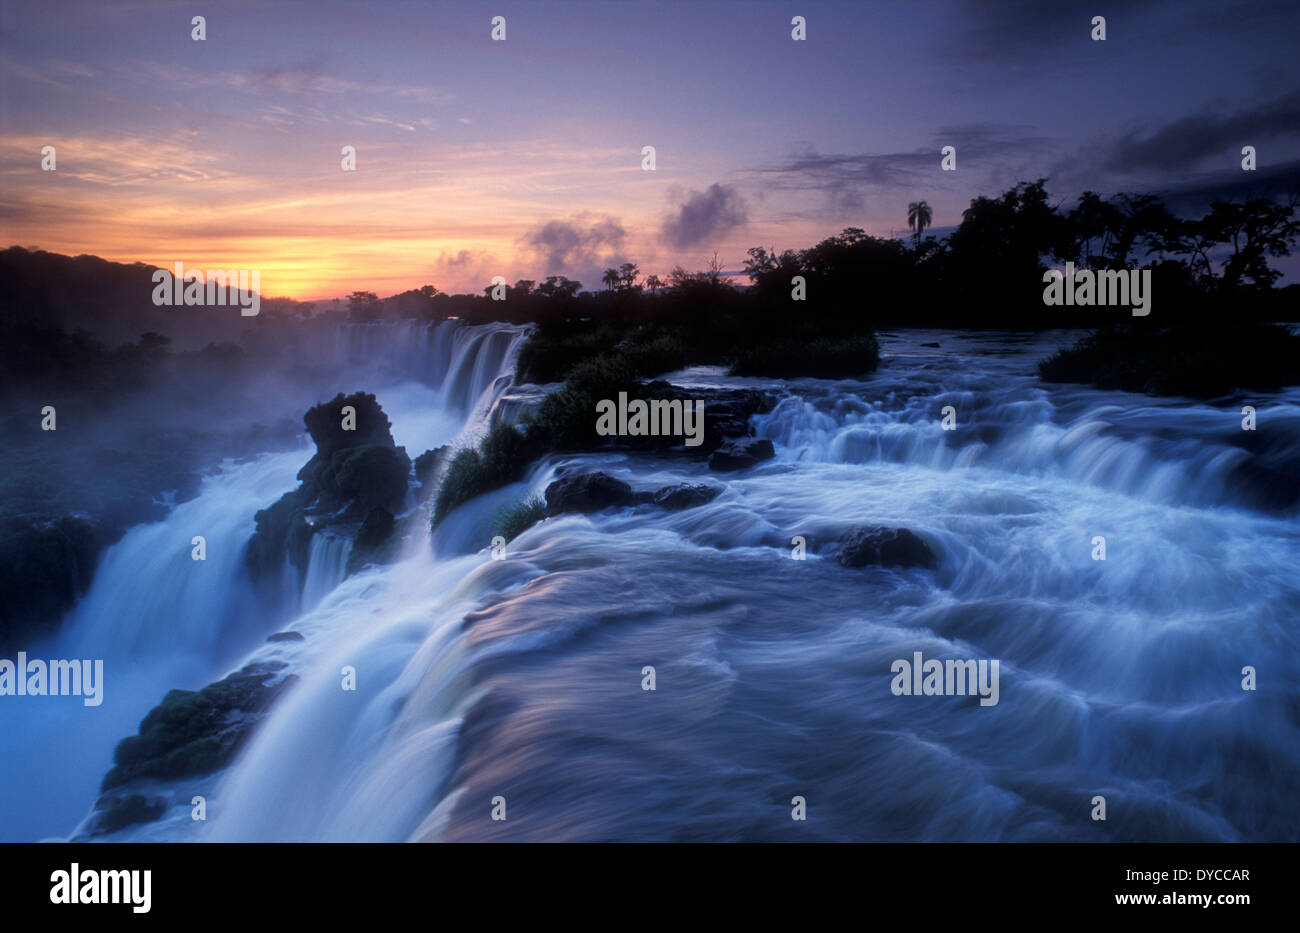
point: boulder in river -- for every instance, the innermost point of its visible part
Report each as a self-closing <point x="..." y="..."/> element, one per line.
<point x="740" y="453"/>
<point x="884" y="547"/>
<point x="587" y="492"/>
<point x="285" y="636"/>
<point x="685" y="495"/>
<point x="197" y="732"/>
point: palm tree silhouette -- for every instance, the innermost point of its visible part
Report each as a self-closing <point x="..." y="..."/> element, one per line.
<point x="611" y="278"/>
<point x="918" y="218"/>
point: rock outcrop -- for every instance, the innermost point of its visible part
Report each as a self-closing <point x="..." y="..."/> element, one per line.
<point x="740" y="453"/>
<point x="685" y="495"/>
<point x="189" y="734"/>
<point x="884" y="547"/>
<point x="596" y="491"/>
<point x="197" y="732"/>
<point x="357" y="477"/>
<point x="587" y="492"/>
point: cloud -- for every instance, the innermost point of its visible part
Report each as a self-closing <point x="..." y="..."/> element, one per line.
<point x="712" y="212"/>
<point x="1198" y="192"/>
<point x="1182" y="143"/>
<point x="846" y="178"/>
<point x="578" y="244"/>
<point x="1020" y="32"/>
<point x="1194" y="158"/>
<point x="1028" y="34"/>
<point x="465" y="270"/>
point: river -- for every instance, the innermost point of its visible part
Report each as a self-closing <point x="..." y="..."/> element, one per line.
<point x="486" y="684"/>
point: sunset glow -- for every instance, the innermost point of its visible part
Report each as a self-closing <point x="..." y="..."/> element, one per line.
<point x="227" y="151"/>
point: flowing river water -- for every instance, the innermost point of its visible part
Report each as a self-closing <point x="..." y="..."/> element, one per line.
<point x="522" y="678"/>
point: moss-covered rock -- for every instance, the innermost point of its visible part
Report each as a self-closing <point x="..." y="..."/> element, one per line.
<point x="197" y="732"/>
<point x="114" y="813"/>
<point x="325" y="424"/>
<point x="281" y="528"/>
<point x="369" y="477"/>
<point x="374" y="539"/>
<point x="352" y="474"/>
<point x="517" y="519"/>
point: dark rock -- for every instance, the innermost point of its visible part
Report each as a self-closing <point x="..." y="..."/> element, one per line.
<point x="324" y="423"/>
<point x="726" y="414"/>
<point x="285" y="636"/>
<point x="198" y="732"/>
<point x="685" y="495"/>
<point x="587" y="492"/>
<point x="114" y="813"/>
<point x="741" y="453"/>
<point x="352" y="474"/>
<point x="371" y="477"/>
<point x="275" y="526"/>
<point x="373" y="538"/>
<point x="44" y="569"/>
<point x="886" y="547"/>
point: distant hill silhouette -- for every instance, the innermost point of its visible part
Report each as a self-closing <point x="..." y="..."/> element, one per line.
<point x="111" y="300"/>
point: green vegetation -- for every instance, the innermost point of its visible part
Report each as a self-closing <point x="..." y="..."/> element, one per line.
<point x="517" y="519"/>
<point x="1198" y="362"/>
<point x="500" y="459"/>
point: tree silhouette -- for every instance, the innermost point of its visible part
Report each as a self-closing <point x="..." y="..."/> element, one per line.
<point x="627" y="276"/>
<point x="919" y="216"/>
<point x="557" y="286"/>
<point x="611" y="278"/>
<point x="365" y="306"/>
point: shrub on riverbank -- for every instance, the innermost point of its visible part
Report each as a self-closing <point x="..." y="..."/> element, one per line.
<point x="1194" y="361"/>
<point x="517" y="519"/>
<point x="499" y="459"/>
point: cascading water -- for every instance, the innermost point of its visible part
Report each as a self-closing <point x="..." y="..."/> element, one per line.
<point x="159" y="619"/>
<point x="523" y="678"/>
<point x="326" y="567"/>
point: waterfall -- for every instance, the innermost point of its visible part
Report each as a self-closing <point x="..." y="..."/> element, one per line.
<point x="158" y="619"/>
<point x="161" y="620"/>
<point x="1165" y="450"/>
<point x="523" y="678"/>
<point x="326" y="565"/>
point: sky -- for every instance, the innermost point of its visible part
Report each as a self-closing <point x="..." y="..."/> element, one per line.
<point x="523" y="157"/>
